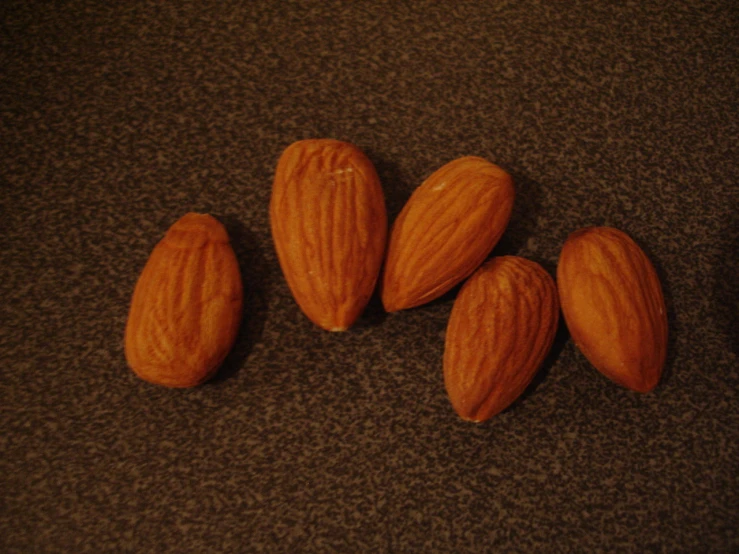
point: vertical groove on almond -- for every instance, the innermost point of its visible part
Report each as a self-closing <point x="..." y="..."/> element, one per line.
<point x="501" y="329"/>
<point x="445" y="231"/>
<point x="186" y="307"/>
<point x="329" y="228"/>
<point x="613" y="304"/>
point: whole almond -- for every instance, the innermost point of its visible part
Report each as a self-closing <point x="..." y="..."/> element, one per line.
<point x="445" y="231"/>
<point x="187" y="305"/>
<point x="613" y="305"/>
<point x="329" y="228"/>
<point x="501" y="329"/>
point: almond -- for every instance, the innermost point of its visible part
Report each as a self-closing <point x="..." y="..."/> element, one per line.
<point x="613" y="305"/>
<point x="501" y="328"/>
<point x="445" y="231"/>
<point x="186" y="306"/>
<point x="329" y="228"/>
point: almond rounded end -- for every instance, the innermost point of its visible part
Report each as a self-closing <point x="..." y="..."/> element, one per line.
<point x="162" y="377"/>
<point x="194" y="230"/>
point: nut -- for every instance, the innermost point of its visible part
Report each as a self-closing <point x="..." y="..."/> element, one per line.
<point x="613" y="305"/>
<point x="501" y="329"/>
<point x="186" y="306"/>
<point x="445" y="231"/>
<point x="329" y="228"/>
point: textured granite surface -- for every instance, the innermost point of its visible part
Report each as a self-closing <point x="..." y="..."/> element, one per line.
<point x="119" y="117"/>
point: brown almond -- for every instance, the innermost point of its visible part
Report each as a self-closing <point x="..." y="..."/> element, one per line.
<point x="445" y="231"/>
<point x="501" y="329"/>
<point x="186" y="306"/>
<point x="613" y="304"/>
<point x="329" y="228"/>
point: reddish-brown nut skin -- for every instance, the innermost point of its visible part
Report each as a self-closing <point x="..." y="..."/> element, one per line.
<point x="613" y="305"/>
<point x="501" y="328"/>
<point x="187" y="305"/>
<point x="329" y="228"/>
<point x="445" y="231"/>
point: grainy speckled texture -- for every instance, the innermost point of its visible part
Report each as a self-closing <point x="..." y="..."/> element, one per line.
<point x="117" y="118"/>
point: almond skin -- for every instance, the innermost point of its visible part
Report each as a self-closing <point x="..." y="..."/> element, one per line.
<point x="501" y="328"/>
<point x="445" y="231"/>
<point x="187" y="305"/>
<point x="613" y="305"/>
<point x="329" y="227"/>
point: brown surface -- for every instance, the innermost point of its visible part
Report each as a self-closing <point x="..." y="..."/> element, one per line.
<point x="119" y="117"/>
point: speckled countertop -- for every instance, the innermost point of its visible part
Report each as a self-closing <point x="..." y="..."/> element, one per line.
<point x="119" y="117"/>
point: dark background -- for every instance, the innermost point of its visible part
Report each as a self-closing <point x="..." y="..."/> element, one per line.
<point x="119" y="117"/>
